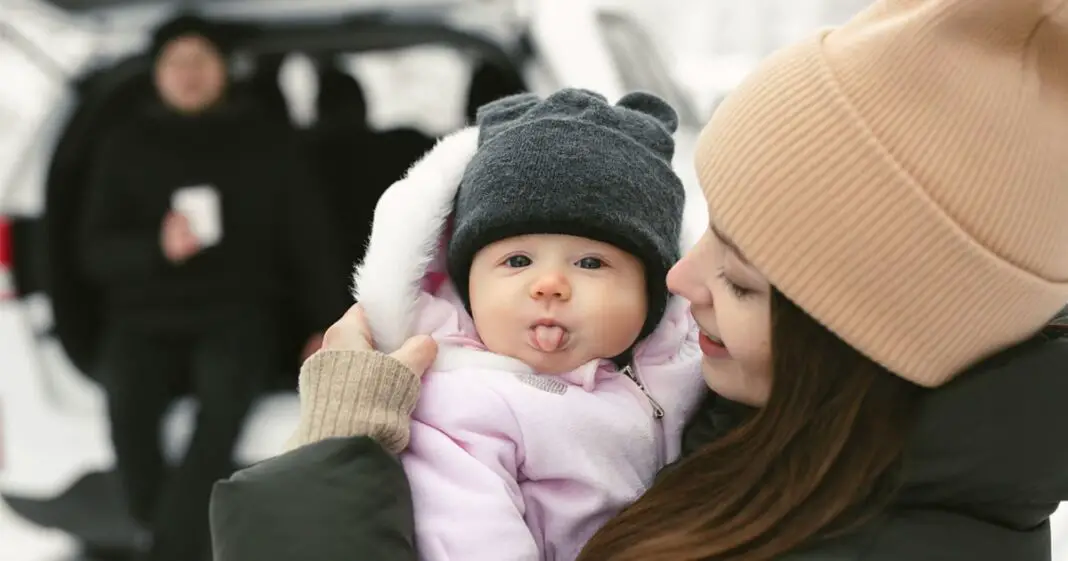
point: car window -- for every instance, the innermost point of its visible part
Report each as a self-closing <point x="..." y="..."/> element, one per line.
<point x="423" y="87"/>
<point x="641" y="66"/>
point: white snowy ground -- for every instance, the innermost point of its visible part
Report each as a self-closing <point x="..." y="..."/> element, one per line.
<point x="22" y="542"/>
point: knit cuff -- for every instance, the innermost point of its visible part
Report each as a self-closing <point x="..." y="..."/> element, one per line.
<point x="349" y="393"/>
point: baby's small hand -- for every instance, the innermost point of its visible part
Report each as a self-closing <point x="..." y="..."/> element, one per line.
<point x="351" y="333"/>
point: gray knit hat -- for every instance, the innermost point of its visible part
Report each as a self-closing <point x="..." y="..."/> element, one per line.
<point x="574" y="164"/>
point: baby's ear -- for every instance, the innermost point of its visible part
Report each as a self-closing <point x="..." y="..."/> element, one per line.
<point x="653" y="106"/>
<point x="498" y="115"/>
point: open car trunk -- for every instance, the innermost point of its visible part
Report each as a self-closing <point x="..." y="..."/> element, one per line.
<point x="90" y="509"/>
<point x="103" y="99"/>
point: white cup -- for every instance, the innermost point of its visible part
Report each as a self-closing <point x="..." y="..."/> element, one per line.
<point x="201" y="207"/>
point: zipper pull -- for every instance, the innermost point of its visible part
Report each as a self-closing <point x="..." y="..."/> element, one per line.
<point x="658" y="410"/>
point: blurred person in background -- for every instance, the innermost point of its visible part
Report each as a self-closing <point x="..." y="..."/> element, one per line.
<point x="199" y="223"/>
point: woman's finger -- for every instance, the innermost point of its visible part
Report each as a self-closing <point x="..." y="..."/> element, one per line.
<point x="417" y="353"/>
<point x="350" y="333"/>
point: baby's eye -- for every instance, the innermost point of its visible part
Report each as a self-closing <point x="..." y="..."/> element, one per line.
<point x="518" y="261"/>
<point x="590" y="263"/>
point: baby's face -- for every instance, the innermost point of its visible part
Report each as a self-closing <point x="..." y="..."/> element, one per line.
<point x="557" y="302"/>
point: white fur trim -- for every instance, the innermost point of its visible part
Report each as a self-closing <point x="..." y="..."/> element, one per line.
<point x="408" y="224"/>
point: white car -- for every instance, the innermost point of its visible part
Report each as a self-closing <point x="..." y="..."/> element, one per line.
<point x="79" y="64"/>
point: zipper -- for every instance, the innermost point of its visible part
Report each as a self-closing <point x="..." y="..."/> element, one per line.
<point x="658" y="411"/>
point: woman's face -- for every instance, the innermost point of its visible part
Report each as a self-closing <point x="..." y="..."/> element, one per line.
<point x="731" y="302"/>
<point x="190" y="74"/>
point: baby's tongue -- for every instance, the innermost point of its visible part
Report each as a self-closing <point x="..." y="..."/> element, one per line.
<point x="548" y="337"/>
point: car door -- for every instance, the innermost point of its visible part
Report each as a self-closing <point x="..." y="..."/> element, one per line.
<point x="40" y="51"/>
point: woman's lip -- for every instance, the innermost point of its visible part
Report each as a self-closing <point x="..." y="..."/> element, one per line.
<point x="712" y="348"/>
<point x="713" y="338"/>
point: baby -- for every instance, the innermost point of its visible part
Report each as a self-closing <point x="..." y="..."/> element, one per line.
<point x="534" y="248"/>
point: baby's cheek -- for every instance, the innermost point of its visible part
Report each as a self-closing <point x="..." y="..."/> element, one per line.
<point x="623" y="323"/>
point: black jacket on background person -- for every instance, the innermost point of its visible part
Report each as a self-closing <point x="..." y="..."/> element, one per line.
<point x="985" y="467"/>
<point x="276" y="242"/>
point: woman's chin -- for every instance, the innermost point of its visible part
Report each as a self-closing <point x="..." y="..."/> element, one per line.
<point x="726" y="378"/>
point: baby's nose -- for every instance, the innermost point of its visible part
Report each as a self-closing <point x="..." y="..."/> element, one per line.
<point x="551" y="285"/>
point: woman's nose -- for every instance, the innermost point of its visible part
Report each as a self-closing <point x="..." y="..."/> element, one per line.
<point x="684" y="280"/>
<point x="552" y="285"/>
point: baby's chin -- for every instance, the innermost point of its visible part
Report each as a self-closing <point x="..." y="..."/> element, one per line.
<point x="552" y="364"/>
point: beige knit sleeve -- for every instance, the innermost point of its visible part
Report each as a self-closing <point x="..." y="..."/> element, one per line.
<point x="349" y="393"/>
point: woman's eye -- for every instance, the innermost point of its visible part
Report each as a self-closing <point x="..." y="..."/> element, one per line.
<point x="590" y="263"/>
<point x="738" y="290"/>
<point x="518" y="261"/>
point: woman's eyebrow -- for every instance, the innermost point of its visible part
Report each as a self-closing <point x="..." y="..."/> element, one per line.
<point x="730" y="244"/>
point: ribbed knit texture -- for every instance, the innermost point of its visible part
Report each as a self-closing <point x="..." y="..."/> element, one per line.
<point x="904" y="178"/>
<point x="347" y="393"/>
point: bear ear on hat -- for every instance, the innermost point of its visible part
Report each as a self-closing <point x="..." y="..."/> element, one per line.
<point x="498" y="115"/>
<point x="653" y="106"/>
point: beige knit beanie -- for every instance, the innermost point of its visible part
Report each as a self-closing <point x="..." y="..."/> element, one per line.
<point x="904" y="178"/>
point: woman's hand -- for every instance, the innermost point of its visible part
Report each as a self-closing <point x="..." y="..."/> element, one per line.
<point x="346" y="389"/>
<point x="177" y="238"/>
<point x="351" y="333"/>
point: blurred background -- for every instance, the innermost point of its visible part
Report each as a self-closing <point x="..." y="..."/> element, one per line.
<point x="361" y="87"/>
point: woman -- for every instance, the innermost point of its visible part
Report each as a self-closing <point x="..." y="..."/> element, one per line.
<point x="887" y="247"/>
<point x="188" y="312"/>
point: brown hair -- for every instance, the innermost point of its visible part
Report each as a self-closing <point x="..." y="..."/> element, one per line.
<point x="819" y="459"/>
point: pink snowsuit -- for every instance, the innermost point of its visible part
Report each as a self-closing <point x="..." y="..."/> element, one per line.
<point x="506" y="464"/>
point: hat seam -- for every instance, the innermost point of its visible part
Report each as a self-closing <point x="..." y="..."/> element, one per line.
<point x="834" y="83"/>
